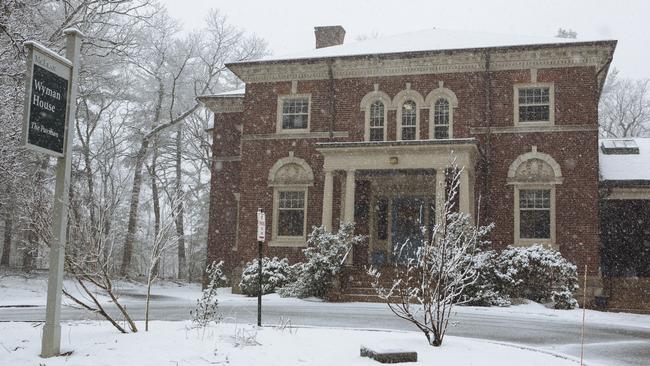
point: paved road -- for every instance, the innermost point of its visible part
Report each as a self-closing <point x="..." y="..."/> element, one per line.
<point x="605" y="344"/>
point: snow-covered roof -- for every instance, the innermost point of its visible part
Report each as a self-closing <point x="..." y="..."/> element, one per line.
<point x="236" y="92"/>
<point x="619" y="160"/>
<point x="426" y="40"/>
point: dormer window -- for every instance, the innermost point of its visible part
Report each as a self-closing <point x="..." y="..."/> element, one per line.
<point x="293" y="113"/>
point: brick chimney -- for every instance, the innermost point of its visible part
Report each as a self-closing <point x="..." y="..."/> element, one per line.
<point x="329" y="36"/>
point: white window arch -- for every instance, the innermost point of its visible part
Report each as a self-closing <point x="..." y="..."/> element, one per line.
<point x="534" y="176"/>
<point x="441" y="102"/>
<point x="290" y="178"/>
<point x="375" y="106"/>
<point x="408" y="103"/>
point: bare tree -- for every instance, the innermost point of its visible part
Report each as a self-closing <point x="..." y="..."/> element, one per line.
<point x="430" y="281"/>
<point x="164" y="240"/>
<point x="624" y="108"/>
<point x="200" y="64"/>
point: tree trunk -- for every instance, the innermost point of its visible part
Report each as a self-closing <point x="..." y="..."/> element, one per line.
<point x="155" y="196"/>
<point x="180" y="229"/>
<point x="133" y="209"/>
<point x="6" y="251"/>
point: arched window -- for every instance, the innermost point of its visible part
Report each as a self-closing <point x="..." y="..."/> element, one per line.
<point x="442" y="102"/>
<point x="290" y="178"/>
<point x="377" y="121"/>
<point x="441" y="119"/>
<point x="534" y="176"/>
<point x="409" y="121"/>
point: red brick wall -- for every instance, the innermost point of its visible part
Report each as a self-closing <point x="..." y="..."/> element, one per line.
<point x="576" y="152"/>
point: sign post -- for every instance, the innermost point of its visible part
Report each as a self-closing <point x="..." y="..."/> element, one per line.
<point x="50" y="95"/>
<point x="261" y="233"/>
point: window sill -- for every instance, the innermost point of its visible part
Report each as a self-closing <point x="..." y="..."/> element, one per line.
<point x="299" y="242"/>
<point x="548" y="243"/>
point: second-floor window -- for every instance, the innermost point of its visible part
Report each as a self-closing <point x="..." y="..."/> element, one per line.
<point x="409" y="121"/>
<point x="377" y="121"/>
<point x="441" y="119"/>
<point x="295" y="113"/>
<point x="534" y="104"/>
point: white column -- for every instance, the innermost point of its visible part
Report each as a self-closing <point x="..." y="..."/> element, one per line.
<point x="328" y="195"/>
<point x="348" y="215"/>
<point x="440" y="193"/>
<point x="466" y="192"/>
<point x="348" y="210"/>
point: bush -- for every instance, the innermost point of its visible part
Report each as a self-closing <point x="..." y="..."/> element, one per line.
<point x="326" y="254"/>
<point x="485" y="291"/>
<point x="537" y="274"/>
<point x="206" y="310"/>
<point x="275" y="273"/>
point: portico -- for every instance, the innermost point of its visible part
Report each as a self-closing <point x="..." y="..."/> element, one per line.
<point x="400" y="175"/>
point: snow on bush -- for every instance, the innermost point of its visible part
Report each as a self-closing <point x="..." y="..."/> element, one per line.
<point x="275" y="274"/>
<point x="537" y="273"/>
<point x="207" y="309"/>
<point x="485" y="291"/>
<point x="326" y="254"/>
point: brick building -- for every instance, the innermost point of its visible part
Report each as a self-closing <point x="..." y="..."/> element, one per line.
<point x="363" y="132"/>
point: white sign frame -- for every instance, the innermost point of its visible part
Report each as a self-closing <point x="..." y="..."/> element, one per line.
<point x="261" y="225"/>
<point x="58" y="65"/>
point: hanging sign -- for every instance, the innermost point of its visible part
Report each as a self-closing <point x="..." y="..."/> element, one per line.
<point x="47" y="88"/>
<point x="261" y="225"/>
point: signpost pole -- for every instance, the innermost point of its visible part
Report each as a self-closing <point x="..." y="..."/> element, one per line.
<point x="51" y="342"/>
<point x="261" y="233"/>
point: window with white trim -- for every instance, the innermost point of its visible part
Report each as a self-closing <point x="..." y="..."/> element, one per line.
<point x="291" y="213"/>
<point x="293" y="113"/>
<point x="377" y="121"/>
<point x="535" y="177"/>
<point x="290" y="178"/>
<point x="535" y="213"/>
<point x="441" y="119"/>
<point x="409" y="121"/>
<point x="534" y="104"/>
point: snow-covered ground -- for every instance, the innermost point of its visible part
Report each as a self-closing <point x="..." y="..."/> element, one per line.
<point x="174" y="343"/>
<point x="17" y="290"/>
<point x="31" y="290"/>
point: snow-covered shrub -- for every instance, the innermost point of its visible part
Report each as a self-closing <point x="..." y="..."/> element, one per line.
<point x="564" y="300"/>
<point x="207" y="309"/>
<point x="326" y="254"/>
<point x="537" y="273"/>
<point x="485" y="291"/>
<point x="275" y="274"/>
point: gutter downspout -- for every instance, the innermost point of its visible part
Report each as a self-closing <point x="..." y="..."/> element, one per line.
<point x="332" y="92"/>
<point x="486" y="148"/>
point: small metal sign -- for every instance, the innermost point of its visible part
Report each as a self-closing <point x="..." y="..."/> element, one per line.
<point x="261" y="225"/>
<point x="47" y="88"/>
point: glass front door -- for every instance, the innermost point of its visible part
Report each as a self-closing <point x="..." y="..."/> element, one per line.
<point x="408" y="217"/>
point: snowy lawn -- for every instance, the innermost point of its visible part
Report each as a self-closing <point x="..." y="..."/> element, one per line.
<point x="174" y="343"/>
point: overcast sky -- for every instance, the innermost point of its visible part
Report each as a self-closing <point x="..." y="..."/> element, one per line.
<point x="288" y="25"/>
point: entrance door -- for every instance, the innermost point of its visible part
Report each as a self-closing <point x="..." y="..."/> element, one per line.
<point x="406" y="230"/>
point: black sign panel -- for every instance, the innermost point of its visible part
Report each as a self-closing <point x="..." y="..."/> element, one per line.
<point x="47" y="110"/>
